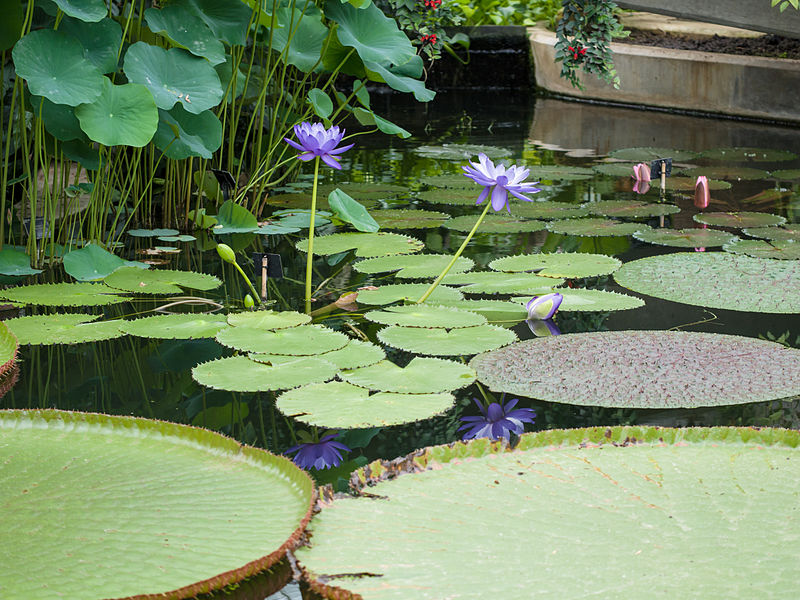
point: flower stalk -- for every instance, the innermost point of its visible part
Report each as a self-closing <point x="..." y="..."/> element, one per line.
<point x="310" y="256"/>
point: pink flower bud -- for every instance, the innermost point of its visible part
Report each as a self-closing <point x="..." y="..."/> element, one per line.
<point x="702" y="196"/>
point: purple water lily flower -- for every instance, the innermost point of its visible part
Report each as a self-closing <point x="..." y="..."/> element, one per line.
<point x="315" y="141"/>
<point x="544" y="328"/>
<point x="543" y="307"/>
<point x="323" y="454"/>
<point x="497" y="420"/>
<point x="500" y="181"/>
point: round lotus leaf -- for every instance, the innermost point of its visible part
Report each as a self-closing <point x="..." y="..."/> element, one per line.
<point x="409" y="219"/>
<point x="93" y="262"/>
<point x="53" y="65"/>
<point x="411" y="292"/>
<point x="568" y="264"/>
<point x="559" y="173"/>
<point x="492" y="282"/>
<point x="615" y="169"/>
<point x="787" y="232"/>
<point x="685" y="238"/>
<point x="688" y="184"/>
<point x="241" y="374"/>
<point x="594" y="227"/>
<point x="64" y="294"/>
<point x="576" y="299"/>
<point x="726" y="172"/>
<point x="443" y="342"/>
<point x="121" y="115"/>
<point x="786" y="174"/>
<point x="172" y="76"/>
<point x="739" y="219"/>
<point x="748" y="154"/>
<point x="82" y="487"/>
<point x="456" y="180"/>
<point x="85" y="10"/>
<point x="268" y="319"/>
<point x="679" y="506"/>
<point x="16" y="263"/>
<point x="630" y="209"/>
<point x="364" y="190"/>
<point x="44" y="330"/>
<point x="365" y="244"/>
<point x="424" y="315"/>
<point x="495" y="223"/>
<point x="161" y="281"/>
<point x="100" y="39"/>
<point x="549" y="210"/>
<point x="716" y="280"/>
<point x="182" y="134"/>
<point x="186" y="29"/>
<point x="296" y="341"/>
<point x="175" y="327"/>
<point x="355" y="354"/>
<point x="420" y="376"/>
<point x="646" y="155"/>
<point x="496" y="312"/>
<point x="453" y="196"/>
<point x="460" y="151"/>
<point x="778" y="249"/>
<point x="644" y="369"/>
<point x="152" y="232"/>
<point x="414" y="266"/>
<point x="340" y="405"/>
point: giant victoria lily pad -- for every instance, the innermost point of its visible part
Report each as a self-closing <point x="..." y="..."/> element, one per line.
<point x="568" y="264"/>
<point x="777" y="249"/>
<point x="79" y="489"/>
<point x="643" y="369"/>
<point x="717" y="280"/>
<point x="626" y="508"/>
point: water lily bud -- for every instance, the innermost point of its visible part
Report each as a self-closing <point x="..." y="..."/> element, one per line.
<point x="226" y="253"/>
<point x="248" y="300"/>
<point x="702" y="196"/>
<point x="543" y="307"/>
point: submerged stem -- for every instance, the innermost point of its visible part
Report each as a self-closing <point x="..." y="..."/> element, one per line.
<point x="310" y="257"/>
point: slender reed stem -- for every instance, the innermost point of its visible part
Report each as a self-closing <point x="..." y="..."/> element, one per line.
<point x="310" y="257"/>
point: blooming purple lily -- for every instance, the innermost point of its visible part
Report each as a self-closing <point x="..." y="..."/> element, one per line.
<point x="497" y="420"/>
<point x="500" y="181"/>
<point x="323" y="454"/>
<point x="543" y="307"/>
<point x="315" y="141"/>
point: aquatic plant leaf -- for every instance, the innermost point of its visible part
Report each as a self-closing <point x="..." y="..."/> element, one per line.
<point x="69" y="477"/>
<point x="241" y="374"/>
<point x="45" y="330"/>
<point x="614" y="169"/>
<point x="11" y="25"/>
<point x="451" y="196"/>
<point x="461" y="151"/>
<point x="177" y="238"/>
<point x="497" y="312"/>
<point x="594" y="227"/>
<point x="16" y="263"/>
<point x="410" y="292"/>
<point x="152" y="232"/>
<point x="418" y="524"/>
<point x="740" y="154"/>
<point x="647" y="154"/>
<point x="495" y="223"/>
<point x="443" y="342"/>
<point x="175" y="326"/>
<point x="234" y="218"/>
<point x="365" y="244"/>
<point x="268" y="319"/>
<point x="492" y="282"/>
<point x="122" y="115"/>
<point x="786" y="174"/>
<point x="364" y="190"/>
<point x="688" y="183"/>
<point x="409" y="219"/>
<point x="425" y="315"/>
<point x="568" y="265"/>
<point x="305" y="39"/>
<point x="355" y="354"/>
<point x="413" y="266"/>
<point x="644" y="369"/>
<point x="100" y="40"/>
<point x="716" y="280"/>
<point x="455" y="180"/>
<point x="160" y="281"/>
<point x="182" y="134"/>
<point x="420" y="376"/>
<point x="577" y="299"/>
<point x="228" y="21"/>
<point x="559" y="173"/>
<point x="64" y="294"/>
<point x="739" y="219"/>
<point x="630" y="209"/>
<point x="548" y="210"/>
<point x="374" y="36"/>
<point x="340" y="405"/>
<point x="187" y="30"/>
<point x="85" y="10"/>
<point x="350" y="211"/>
<point x="777" y="249"/>
<point x="685" y="238"/>
<point x="295" y="341"/>
<point x="8" y="350"/>
<point x="787" y="232"/>
<point x="59" y="119"/>
<point x="93" y="262"/>
<point x="729" y="172"/>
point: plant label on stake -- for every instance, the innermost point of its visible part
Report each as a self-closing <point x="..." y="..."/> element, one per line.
<point x="661" y="167"/>
<point x="226" y="182"/>
<point x="270" y="265"/>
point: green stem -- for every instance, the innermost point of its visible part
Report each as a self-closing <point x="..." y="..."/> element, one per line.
<point x="247" y="279"/>
<point x="455" y="258"/>
<point x="310" y="257"/>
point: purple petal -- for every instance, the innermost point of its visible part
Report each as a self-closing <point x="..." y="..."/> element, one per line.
<point x="499" y="197"/>
<point x="341" y="149"/>
<point x="331" y="161"/>
<point x="483" y="195"/>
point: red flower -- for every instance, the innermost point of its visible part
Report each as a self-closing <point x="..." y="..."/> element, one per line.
<point x="576" y="51"/>
<point x="434" y="4"/>
<point x="428" y="39"/>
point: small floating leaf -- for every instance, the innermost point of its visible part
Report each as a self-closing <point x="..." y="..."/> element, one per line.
<point x="568" y="264"/>
<point x="161" y="281"/>
<point x="748" y="154"/>
<point x="175" y="327"/>
<point x="739" y="219"/>
<point x="64" y="294"/>
<point x="647" y="154"/>
<point x="594" y="227"/>
<point x="424" y="315"/>
<point x="495" y="223"/>
<point x="630" y="209"/>
<point x="777" y="249"/>
<point x="615" y="169"/>
<point x="409" y="219"/>
<point x="685" y="238"/>
<point x="365" y="244"/>
<point x="454" y="196"/>
<point x="153" y="232"/>
<point x="420" y="376"/>
<point x="548" y="210"/>
<point x="786" y="174"/>
<point x="787" y="232"/>
<point x="268" y="319"/>
<point x="492" y="282"/>
<point x="364" y="190"/>
<point x="44" y="330"/>
<point x="298" y="341"/>
<point x="442" y="342"/>
<point x="559" y="173"/>
<point x="177" y="238"/>
<point x="414" y="266"/>
<point x="241" y="374"/>
<point x="460" y="151"/>
<point x="387" y="294"/>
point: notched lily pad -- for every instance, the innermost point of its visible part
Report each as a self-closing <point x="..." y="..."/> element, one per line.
<point x="548" y="209"/>
<point x="355" y="354"/>
<point x="424" y="315"/>
<point x="365" y="244"/>
<point x="443" y="342"/>
<point x="786" y="232"/>
<point x="492" y="282"/>
<point x="414" y="266"/>
<point x="495" y="223"/>
<point x="497" y="312"/>
<point x="460" y="151"/>
<point x="576" y="299"/>
<point x="45" y="330"/>
<point x="409" y="218"/>
<point x="739" y="219"/>
<point x="646" y="154"/>
<point x="559" y="173"/>
<point x="410" y="292"/>
<point x="451" y="196"/>
<point x="740" y="154"/>
<point x="175" y="327"/>
<point x="420" y="376"/>
<point x="777" y="249"/>
<point x="685" y="238"/>
<point x="268" y="319"/>
<point x="241" y="374"/>
<point x="64" y="294"/>
<point x="688" y="184"/>
<point x="594" y="227"/>
<point x="568" y="264"/>
<point x="456" y="180"/>
<point x="296" y="341"/>
<point x="630" y="209"/>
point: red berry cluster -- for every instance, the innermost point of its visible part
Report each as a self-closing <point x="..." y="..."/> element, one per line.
<point x="576" y="51"/>
<point x="428" y="39"/>
<point x="434" y="4"/>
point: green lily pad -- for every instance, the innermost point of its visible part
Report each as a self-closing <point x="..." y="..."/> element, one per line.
<point x="410" y="292"/>
<point x="295" y="341"/>
<point x="415" y="527"/>
<point x="175" y="327"/>
<point x="576" y="299"/>
<point x="161" y="282"/>
<point x="64" y="294"/>
<point x="492" y="282"/>
<point x="121" y="115"/>
<point x="548" y="210"/>
<point x="443" y="342"/>
<point x="16" y="263"/>
<point x="72" y="477"/>
<point x="177" y="238"/>
<point x="414" y="266"/>
<point x="499" y="222"/>
<point x="497" y="312"/>
<point x="688" y="184"/>
<point x="420" y="376"/>
<point x="92" y="262"/>
<point x="786" y="174"/>
<point x="615" y="169"/>
<point x="726" y="172"/>
<point x="645" y="155"/>
<point x="454" y="196"/>
<point x="777" y="249"/>
<point x="630" y="209"/>
<point x="152" y="232"/>
<point x="241" y="374"/>
<point x="685" y="238"/>
<point x="364" y="191"/>
<point x="748" y="154"/>
<point x="187" y="30"/>
<point x="365" y="244"/>
<point x="716" y="280"/>
<point x="456" y="180"/>
<point x="559" y="173"/>
<point x="355" y="354"/>
<point x="787" y="232"/>
<point x="594" y="227"/>
<point x="45" y="330"/>
<point x="268" y="319"/>
<point x="409" y="219"/>
<point x="568" y="265"/>
<point x="739" y="219"/>
<point x="461" y="151"/>
<point x="644" y="369"/>
<point x="300" y="201"/>
<point x="424" y="315"/>
<point x="182" y="134"/>
<point x="340" y="405"/>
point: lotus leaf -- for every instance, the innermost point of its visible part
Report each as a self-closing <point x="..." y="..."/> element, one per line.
<point x="100" y="40"/>
<point x="787" y="232"/>
<point x="688" y="184"/>
<point x="85" y="10"/>
<point x="387" y="294"/>
<point x="241" y="374"/>
<point x="152" y="232"/>
<point x="374" y="36"/>
<point x="594" y="227"/>
<point x="64" y="294"/>
<point x="495" y="223"/>
<point x="186" y="30"/>
<point x="182" y="134"/>
<point x="420" y="376"/>
<point x="716" y="280"/>
<point x="630" y="209"/>
<point x="726" y="172"/>
<point x="424" y="315"/>
<point x="92" y="262"/>
<point x="234" y="218"/>
<point x="685" y="238"/>
<point x="295" y="341"/>
<point x="414" y="266"/>
<point x="349" y="210"/>
<point x="739" y="219"/>
<point x="300" y="44"/>
<point x="456" y="180"/>
<point x="355" y="354"/>
<point x="268" y="319"/>
<point x="364" y="191"/>
<point x="576" y="299"/>
<point x="778" y="249"/>
<point x="443" y="342"/>
<point x="175" y="327"/>
<point x="492" y="282"/>
<point x="15" y="263"/>
<point x="45" y="330"/>
<point x="786" y="174"/>
<point x="340" y="405"/>
<point x="748" y="154"/>
<point x="454" y="196"/>
<point x="228" y="21"/>
<point x="568" y="265"/>
<point x="497" y="312"/>
<point x="435" y="524"/>
<point x="365" y="244"/>
<point x="461" y="151"/>
<point x="559" y="173"/>
<point x="121" y="115"/>
<point x="161" y="282"/>
<point x="549" y="210"/>
<point x="73" y="477"/>
<point x="409" y="219"/>
<point x="59" y="119"/>
<point x="648" y="154"/>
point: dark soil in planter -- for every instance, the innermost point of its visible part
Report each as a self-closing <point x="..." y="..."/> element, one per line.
<point x="772" y="46"/>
